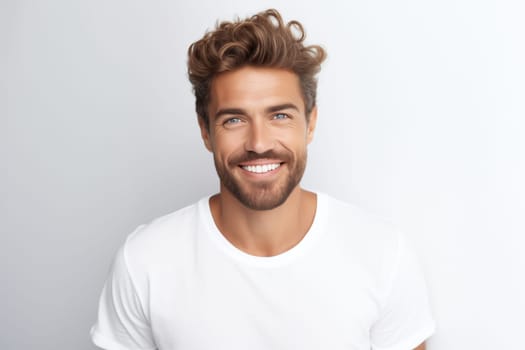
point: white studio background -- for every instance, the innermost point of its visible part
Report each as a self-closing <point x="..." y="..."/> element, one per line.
<point x="421" y="121"/>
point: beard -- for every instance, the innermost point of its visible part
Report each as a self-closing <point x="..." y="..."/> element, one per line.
<point x="262" y="195"/>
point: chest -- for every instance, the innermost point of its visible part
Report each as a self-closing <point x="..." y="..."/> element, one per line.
<point x="226" y="306"/>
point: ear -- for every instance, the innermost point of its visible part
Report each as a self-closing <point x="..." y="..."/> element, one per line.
<point x="205" y="133"/>
<point x="310" y="128"/>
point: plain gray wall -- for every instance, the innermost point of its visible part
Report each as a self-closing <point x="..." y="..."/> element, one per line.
<point x="421" y="108"/>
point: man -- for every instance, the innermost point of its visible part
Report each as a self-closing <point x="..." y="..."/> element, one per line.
<point x="263" y="264"/>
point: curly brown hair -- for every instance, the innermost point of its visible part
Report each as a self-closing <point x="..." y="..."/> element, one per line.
<point x="263" y="40"/>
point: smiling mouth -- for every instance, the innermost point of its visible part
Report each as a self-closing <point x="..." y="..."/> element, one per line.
<point x="261" y="169"/>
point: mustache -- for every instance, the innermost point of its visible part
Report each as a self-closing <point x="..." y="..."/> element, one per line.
<point x="251" y="156"/>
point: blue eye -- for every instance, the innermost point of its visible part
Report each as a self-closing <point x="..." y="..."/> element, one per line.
<point x="232" y="121"/>
<point x="280" y="116"/>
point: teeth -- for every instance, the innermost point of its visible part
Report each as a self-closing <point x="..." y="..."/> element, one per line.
<point x="260" y="169"/>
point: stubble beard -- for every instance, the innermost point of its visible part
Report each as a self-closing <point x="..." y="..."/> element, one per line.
<point x="263" y="195"/>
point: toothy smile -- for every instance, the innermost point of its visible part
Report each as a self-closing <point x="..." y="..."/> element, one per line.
<point x="261" y="169"/>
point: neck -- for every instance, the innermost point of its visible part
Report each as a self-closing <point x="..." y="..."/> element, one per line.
<point x="264" y="232"/>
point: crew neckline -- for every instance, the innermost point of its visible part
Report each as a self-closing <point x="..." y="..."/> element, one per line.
<point x="286" y="257"/>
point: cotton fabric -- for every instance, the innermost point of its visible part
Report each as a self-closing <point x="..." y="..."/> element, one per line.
<point x="351" y="283"/>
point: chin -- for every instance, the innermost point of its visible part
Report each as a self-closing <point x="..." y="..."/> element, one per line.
<point x="264" y="198"/>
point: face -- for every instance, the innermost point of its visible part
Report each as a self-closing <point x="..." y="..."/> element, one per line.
<point x="258" y="134"/>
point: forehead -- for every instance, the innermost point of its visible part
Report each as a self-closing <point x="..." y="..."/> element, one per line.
<point x="252" y="88"/>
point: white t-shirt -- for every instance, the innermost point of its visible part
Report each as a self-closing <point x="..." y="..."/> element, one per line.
<point x="351" y="283"/>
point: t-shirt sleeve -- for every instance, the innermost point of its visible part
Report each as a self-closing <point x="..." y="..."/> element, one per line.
<point x="405" y="320"/>
<point x="122" y="322"/>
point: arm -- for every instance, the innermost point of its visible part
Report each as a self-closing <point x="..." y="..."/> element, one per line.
<point x="421" y="347"/>
<point x="122" y="321"/>
<point x="406" y="319"/>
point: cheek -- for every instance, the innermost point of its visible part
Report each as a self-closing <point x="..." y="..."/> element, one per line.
<point x="226" y="146"/>
<point x="298" y="139"/>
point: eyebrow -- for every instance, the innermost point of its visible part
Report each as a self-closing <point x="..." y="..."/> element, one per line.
<point x="241" y="111"/>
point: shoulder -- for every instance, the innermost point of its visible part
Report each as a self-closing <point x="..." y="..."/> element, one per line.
<point x="362" y="237"/>
<point x="167" y="236"/>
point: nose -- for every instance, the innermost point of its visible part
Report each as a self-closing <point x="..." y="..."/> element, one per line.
<point x="260" y="138"/>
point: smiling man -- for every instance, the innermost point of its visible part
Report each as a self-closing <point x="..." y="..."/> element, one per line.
<point x="263" y="264"/>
